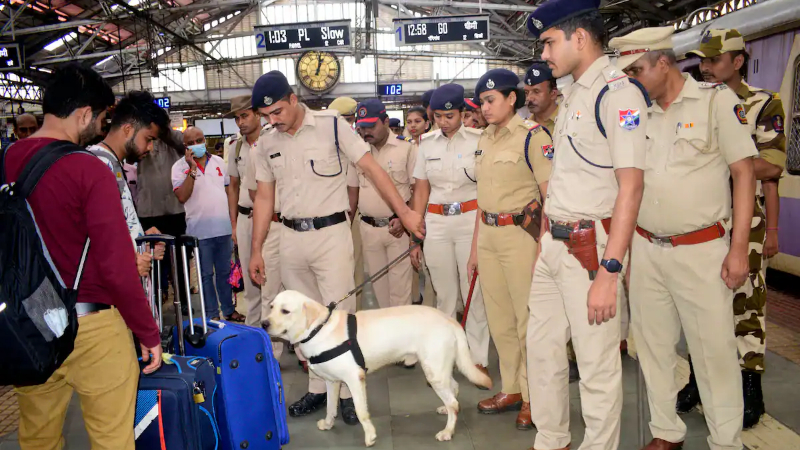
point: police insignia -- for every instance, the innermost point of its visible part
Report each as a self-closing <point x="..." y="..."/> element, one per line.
<point x="362" y="112"/>
<point x="490" y="84"/>
<point x="629" y="119"/>
<point x="740" y="114"/>
<point x="547" y="151"/>
<point x="537" y="23"/>
<point x="777" y="124"/>
<point x="478" y="152"/>
<point x="536" y="73"/>
<point x="448" y="105"/>
<point x="268" y="101"/>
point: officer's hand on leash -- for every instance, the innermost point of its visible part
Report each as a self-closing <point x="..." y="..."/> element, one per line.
<point x="735" y="269"/>
<point x="256" y="269"/>
<point x="414" y="223"/>
<point x="602" y="298"/>
<point x="472" y="264"/>
<point x="416" y="257"/>
<point x="396" y="228"/>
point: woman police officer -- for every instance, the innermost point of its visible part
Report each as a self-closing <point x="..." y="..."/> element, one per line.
<point x="445" y="177"/>
<point x="512" y="167"/>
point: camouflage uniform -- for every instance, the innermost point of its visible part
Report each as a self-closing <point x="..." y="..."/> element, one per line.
<point x="765" y="116"/>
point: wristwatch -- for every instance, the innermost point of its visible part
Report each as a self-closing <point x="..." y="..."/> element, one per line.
<point x="193" y="174"/>
<point x="612" y="265"/>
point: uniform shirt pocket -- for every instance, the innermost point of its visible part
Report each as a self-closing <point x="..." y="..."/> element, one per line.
<point x="505" y="166"/>
<point x="696" y="137"/>
<point x="278" y="164"/>
<point x="323" y="163"/>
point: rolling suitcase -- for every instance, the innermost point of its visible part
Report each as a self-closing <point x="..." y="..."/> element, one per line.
<point x="249" y="402"/>
<point x="174" y="405"/>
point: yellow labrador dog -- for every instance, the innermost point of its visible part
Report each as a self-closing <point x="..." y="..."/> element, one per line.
<point x="384" y="337"/>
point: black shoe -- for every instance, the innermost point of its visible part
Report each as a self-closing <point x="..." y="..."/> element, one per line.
<point x="308" y="404"/>
<point x="753" y="399"/>
<point x="348" y="410"/>
<point x="689" y="396"/>
<point x="574" y="374"/>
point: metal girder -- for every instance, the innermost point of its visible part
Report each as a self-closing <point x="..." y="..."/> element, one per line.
<point x="54" y="27"/>
<point x="13" y="17"/>
<point x="226" y="4"/>
<point x="653" y="10"/>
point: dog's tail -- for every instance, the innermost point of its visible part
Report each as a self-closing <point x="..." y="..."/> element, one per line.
<point x="464" y="360"/>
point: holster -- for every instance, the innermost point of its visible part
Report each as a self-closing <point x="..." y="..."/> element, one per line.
<point x="582" y="244"/>
<point x="531" y="219"/>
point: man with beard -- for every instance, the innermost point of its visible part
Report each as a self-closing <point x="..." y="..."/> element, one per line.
<point x="136" y="123"/>
<point x="77" y="199"/>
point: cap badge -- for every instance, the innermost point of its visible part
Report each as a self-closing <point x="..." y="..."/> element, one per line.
<point x="362" y="112"/>
<point x="490" y="84"/>
<point x="267" y="100"/>
<point x="448" y="105"/>
<point x="537" y="23"/>
<point x="536" y="73"/>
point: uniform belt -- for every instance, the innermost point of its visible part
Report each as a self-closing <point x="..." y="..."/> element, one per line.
<point x="276" y="217"/>
<point x="453" y="209"/>
<point x="84" y="309"/>
<point x="548" y="223"/>
<point x="315" y="223"/>
<point x="245" y="211"/>
<point x="500" y="220"/>
<point x="376" y="222"/>
<point x="707" y="234"/>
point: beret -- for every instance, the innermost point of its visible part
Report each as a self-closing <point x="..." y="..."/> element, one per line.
<point x="269" y="88"/>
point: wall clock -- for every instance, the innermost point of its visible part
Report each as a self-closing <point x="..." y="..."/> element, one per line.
<point x="318" y="71"/>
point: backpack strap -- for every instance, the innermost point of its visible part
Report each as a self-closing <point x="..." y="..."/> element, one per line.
<point x="41" y="162"/>
<point x="605" y="90"/>
<point x="239" y="146"/>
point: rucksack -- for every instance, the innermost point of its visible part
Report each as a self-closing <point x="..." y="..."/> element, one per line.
<point x="38" y="320"/>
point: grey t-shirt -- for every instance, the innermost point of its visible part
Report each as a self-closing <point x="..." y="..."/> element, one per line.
<point x="155" y="197"/>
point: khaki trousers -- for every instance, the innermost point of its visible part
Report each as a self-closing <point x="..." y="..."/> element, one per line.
<point x="270" y="251"/>
<point x="252" y="292"/>
<point x="380" y="248"/>
<point x="558" y="312"/>
<point x="505" y="260"/>
<point x="448" y="243"/>
<point x="319" y="264"/>
<point x="681" y="286"/>
<point x="358" y="256"/>
<point x="103" y="370"/>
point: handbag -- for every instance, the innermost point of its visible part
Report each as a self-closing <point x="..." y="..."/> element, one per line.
<point x="236" y="278"/>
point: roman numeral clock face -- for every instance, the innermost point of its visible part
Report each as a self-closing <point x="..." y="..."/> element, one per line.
<point x="318" y="71"/>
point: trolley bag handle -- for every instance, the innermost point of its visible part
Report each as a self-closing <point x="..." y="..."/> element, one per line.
<point x="198" y="340"/>
<point x="469" y="299"/>
<point x="154" y="292"/>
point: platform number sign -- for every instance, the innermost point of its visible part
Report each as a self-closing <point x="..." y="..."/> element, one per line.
<point x="287" y="37"/>
<point x="441" y="29"/>
<point x="163" y="102"/>
<point x="390" y="89"/>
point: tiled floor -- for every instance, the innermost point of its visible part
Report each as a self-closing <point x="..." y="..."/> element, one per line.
<point x="403" y="411"/>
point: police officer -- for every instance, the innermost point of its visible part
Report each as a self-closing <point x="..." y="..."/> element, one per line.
<point x="724" y="60"/>
<point x="683" y="268"/>
<point x="590" y="214"/>
<point x="541" y="94"/>
<point x="240" y="204"/>
<point x="346" y="107"/>
<point x="303" y="161"/>
<point x="426" y="103"/>
<point x="512" y="168"/>
<point x="473" y="118"/>
<point x="396" y="126"/>
<point x="445" y="187"/>
<point x="382" y="235"/>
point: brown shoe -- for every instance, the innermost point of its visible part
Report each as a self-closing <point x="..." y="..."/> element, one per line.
<point x="500" y="403"/>
<point x="524" y="421"/>
<point x="660" y="444"/>
<point x="485" y="372"/>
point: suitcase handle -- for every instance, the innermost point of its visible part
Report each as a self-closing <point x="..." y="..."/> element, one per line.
<point x="155" y="238"/>
<point x="189" y="334"/>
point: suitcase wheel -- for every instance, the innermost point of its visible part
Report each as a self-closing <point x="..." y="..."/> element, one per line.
<point x="234" y="365"/>
<point x="197" y="340"/>
<point x="259" y="357"/>
<point x="244" y="444"/>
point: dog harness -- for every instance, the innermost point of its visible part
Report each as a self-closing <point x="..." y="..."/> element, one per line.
<point x="350" y="345"/>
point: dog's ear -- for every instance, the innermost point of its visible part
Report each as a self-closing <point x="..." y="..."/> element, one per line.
<point x="311" y="314"/>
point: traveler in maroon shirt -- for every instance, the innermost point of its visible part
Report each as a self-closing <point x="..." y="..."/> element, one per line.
<point x="78" y="198"/>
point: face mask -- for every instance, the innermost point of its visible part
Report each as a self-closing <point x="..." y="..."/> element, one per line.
<point x="198" y="150"/>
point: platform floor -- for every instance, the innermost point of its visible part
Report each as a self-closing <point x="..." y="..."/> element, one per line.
<point x="403" y="407"/>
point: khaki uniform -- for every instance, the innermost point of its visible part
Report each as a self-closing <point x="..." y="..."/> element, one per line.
<point x="579" y="190"/>
<point x="690" y="148"/>
<point x="310" y="180"/>
<point x="765" y="118"/>
<point x="270" y="252"/>
<point x="397" y="158"/>
<point x="506" y="253"/>
<point x="449" y="166"/>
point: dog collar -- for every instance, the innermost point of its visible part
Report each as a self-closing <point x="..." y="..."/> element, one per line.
<point x="317" y="329"/>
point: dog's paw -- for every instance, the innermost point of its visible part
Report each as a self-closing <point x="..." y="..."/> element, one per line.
<point x="324" y="425"/>
<point x="444" y="435"/>
<point x="441" y="410"/>
<point x="370" y="439"/>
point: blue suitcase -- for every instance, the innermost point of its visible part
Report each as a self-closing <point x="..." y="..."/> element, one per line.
<point x="249" y="402"/>
<point x="174" y="406"/>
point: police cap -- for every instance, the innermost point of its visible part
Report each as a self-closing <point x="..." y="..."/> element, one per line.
<point x="394" y="122"/>
<point x="448" y="97"/>
<point x="496" y="79"/>
<point x="555" y="12"/>
<point x="471" y="105"/>
<point x="346" y="106"/>
<point x="369" y="112"/>
<point x="538" y="73"/>
<point x="636" y="44"/>
<point x="717" y="42"/>
<point x="426" y="98"/>
<point x="269" y="89"/>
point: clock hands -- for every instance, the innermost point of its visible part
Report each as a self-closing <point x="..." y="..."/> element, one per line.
<point x="319" y="63"/>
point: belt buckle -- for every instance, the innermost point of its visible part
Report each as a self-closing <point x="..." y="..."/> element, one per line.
<point x="451" y="209"/>
<point x="382" y="222"/>
<point x="491" y="219"/>
<point x="661" y="241"/>
<point x="306" y="224"/>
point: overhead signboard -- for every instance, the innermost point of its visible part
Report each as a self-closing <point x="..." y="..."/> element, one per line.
<point x="302" y="36"/>
<point x="10" y="57"/>
<point x="441" y="29"/>
<point x="390" y="89"/>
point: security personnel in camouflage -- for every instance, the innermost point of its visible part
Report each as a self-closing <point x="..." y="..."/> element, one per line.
<point x="724" y="60"/>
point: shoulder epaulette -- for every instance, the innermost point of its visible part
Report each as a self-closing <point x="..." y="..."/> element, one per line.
<point x="475" y="131"/>
<point x="428" y="135"/>
<point x="404" y="138"/>
<point x="532" y="126"/>
<point x="325" y="112"/>
<point x="776" y="96"/>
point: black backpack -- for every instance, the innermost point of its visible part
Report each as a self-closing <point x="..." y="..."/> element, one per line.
<point x="38" y="321"/>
